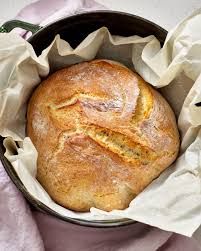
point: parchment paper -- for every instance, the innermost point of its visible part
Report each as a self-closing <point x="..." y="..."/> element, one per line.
<point x="173" y="201"/>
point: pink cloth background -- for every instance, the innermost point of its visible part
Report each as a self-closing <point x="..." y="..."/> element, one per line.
<point x="22" y="229"/>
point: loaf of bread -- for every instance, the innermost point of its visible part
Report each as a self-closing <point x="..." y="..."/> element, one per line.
<point x="102" y="135"/>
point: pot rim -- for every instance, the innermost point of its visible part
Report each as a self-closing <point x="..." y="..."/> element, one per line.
<point x="39" y="29"/>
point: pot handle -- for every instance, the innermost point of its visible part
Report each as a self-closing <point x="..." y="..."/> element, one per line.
<point x="10" y="25"/>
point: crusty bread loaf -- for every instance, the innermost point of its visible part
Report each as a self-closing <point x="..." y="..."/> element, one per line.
<point x="102" y="135"/>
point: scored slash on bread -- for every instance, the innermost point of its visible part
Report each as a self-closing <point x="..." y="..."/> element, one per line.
<point x="102" y="135"/>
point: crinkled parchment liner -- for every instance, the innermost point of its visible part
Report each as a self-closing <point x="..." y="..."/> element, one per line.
<point x="171" y="202"/>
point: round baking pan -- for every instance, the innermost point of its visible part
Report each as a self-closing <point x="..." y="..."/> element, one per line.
<point x="74" y="29"/>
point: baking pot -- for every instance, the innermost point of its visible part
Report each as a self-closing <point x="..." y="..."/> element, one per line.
<point x="74" y="29"/>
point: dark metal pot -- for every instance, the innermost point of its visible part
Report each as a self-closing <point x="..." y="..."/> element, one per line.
<point x="74" y="29"/>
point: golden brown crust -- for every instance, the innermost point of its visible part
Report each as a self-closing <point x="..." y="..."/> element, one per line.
<point x="102" y="135"/>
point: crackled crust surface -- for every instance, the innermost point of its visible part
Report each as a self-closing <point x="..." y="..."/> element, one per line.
<point x="102" y="135"/>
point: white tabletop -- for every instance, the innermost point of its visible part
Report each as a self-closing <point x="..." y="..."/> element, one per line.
<point x="165" y="13"/>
